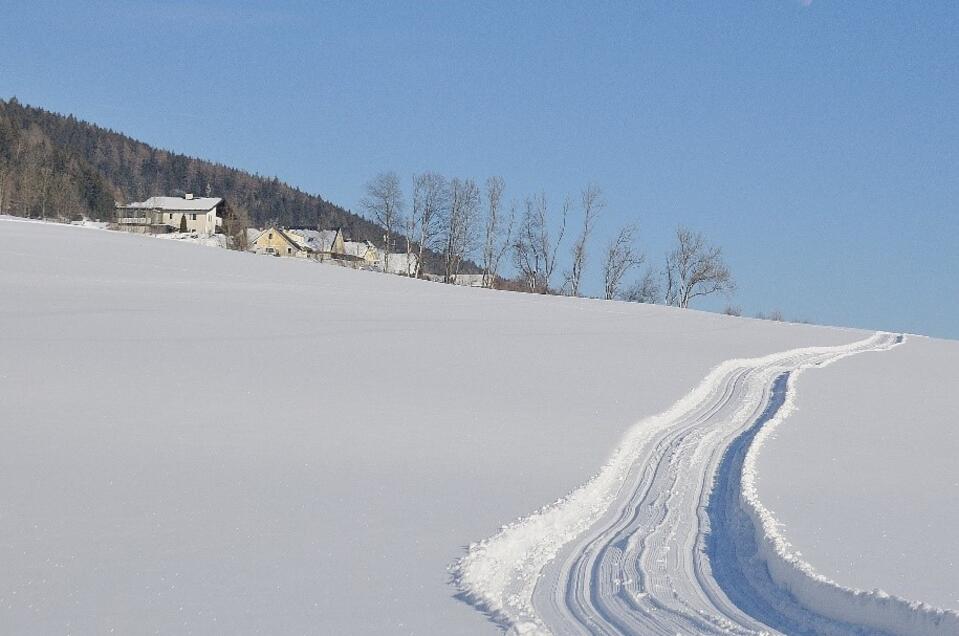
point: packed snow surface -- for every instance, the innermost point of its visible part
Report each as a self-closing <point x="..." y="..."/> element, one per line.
<point x="864" y="477"/>
<point x="196" y="440"/>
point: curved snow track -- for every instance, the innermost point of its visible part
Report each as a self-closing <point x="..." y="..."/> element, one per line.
<point x="668" y="537"/>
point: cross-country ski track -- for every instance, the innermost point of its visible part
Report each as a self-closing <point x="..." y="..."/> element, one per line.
<point x="670" y="538"/>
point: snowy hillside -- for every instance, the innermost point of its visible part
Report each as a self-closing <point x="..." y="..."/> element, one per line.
<point x="197" y="440"/>
<point x="864" y="477"/>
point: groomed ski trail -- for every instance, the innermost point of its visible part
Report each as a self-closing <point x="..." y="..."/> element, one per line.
<point x="630" y="551"/>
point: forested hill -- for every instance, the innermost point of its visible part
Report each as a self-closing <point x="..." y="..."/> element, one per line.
<point x="52" y="164"/>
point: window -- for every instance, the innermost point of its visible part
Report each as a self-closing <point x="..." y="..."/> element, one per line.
<point x="289" y="250"/>
<point x="194" y="217"/>
<point x="270" y="236"/>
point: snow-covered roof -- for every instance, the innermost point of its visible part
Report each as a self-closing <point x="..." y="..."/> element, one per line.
<point x="280" y="233"/>
<point x="317" y="240"/>
<point x="176" y="204"/>
<point x="358" y="248"/>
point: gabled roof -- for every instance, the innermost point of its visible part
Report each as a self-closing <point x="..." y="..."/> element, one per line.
<point x="281" y="234"/>
<point x="359" y="248"/>
<point x="176" y="204"/>
<point x="316" y="240"/>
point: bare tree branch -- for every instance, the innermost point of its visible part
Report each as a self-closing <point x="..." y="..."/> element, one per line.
<point x="383" y="202"/>
<point x="430" y="202"/>
<point x="694" y="269"/>
<point x="498" y="234"/>
<point x="534" y="251"/>
<point x="621" y="257"/>
<point x="462" y="219"/>
<point x="592" y="203"/>
<point x="646" y="290"/>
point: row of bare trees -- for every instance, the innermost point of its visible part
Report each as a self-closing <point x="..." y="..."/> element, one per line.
<point x="462" y="221"/>
<point x="447" y="216"/>
<point x="693" y="268"/>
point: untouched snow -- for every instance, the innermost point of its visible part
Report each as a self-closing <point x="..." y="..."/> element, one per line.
<point x="217" y="240"/>
<point x="201" y="440"/>
<point x="864" y="477"/>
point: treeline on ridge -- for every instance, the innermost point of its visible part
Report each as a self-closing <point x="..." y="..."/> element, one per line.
<point x="57" y="165"/>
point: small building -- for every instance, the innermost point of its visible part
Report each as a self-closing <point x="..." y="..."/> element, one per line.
<point x="277" y="242"/>
<point x="322" y="244"/>
<point x="199" y="215"/>
<point x="397" y="263"/>
<point x="365" y="251"/>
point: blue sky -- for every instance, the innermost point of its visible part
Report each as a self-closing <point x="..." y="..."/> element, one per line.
<point x="816" y="142"/>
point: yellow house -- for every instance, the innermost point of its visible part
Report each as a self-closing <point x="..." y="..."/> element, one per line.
<point x="275" y="241"/>
<point x="336" y="242"/>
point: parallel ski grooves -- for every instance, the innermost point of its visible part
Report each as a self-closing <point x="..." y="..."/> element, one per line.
<point x="649" y="546"/>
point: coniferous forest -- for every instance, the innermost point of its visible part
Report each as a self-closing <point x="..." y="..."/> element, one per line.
<point x="53" y="165"/>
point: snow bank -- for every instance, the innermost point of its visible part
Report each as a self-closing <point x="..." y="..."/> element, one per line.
<point x="874" y="609"/>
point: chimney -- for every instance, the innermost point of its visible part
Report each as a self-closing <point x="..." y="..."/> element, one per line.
<point x="188" y="196"/>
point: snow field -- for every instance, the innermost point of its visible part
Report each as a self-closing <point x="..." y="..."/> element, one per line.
<point x="856" y="403"/>
<point x="200" y="440"/>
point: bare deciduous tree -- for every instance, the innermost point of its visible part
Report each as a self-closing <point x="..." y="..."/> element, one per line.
<point x="499" y="231"/>
<point x="236" y="220"/>
<point x="525" y="258"/>
<point x="534" y="251"/>
<point x="430" y="202"/>
<point x="410" y="227"/>
<point x="646" y="290"/>
<point x="461" y="227"/>
<point x="694" y="268"/>
<point x="592" y="203"/>
<point x="383" y="202"/>
<point x="621" y="256"/>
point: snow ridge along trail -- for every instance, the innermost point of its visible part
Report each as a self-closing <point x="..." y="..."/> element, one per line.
<point x="633" y="550"/>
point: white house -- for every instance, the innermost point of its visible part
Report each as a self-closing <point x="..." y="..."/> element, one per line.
<point x="202" y="214"/>
<point x="323" y="244"/>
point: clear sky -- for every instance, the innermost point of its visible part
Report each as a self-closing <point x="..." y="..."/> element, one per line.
<point x="816" y="142"/>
